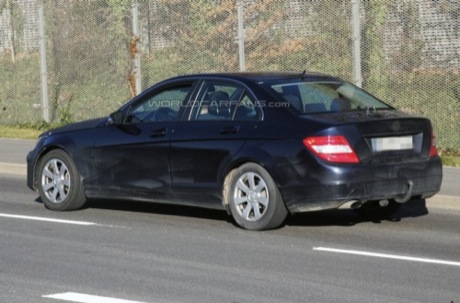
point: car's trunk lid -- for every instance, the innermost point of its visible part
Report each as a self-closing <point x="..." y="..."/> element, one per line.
<point x="382" y="136"/>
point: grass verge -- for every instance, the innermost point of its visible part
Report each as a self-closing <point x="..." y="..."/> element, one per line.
<point x="450" y="158"/>
<point x="19" y="133"/>
<point x="451" y="161"/>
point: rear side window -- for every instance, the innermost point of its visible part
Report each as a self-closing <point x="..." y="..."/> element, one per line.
<point x="220" y="100"/>
<point x="247" y="109"/>
<point x="319" y="97"/>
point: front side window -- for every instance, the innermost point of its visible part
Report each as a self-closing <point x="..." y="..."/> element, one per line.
<point x="160" y="106"/>
<point x="325" y="96"/>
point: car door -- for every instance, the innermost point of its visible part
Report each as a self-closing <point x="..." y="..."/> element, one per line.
<point x="132" y="158"/>
<point x="221" y="119"/>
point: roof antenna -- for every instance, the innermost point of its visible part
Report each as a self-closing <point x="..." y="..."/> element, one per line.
<point x="303" y="74"/>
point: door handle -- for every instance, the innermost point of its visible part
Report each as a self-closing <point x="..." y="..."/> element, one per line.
<point x="161" y="132"/>
<point x="229" y="130"/>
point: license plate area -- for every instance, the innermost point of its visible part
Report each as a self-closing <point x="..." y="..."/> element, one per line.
<point x="397" y="143"/>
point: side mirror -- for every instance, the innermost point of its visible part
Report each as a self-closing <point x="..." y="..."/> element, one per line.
<point x="115" y="118"/>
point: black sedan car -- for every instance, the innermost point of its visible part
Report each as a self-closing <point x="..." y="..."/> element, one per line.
<point x="258" y="145"/>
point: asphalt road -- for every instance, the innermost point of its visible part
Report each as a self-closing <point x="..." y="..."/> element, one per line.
<point x="125" y="252"/>
<point x="153" y="253"/>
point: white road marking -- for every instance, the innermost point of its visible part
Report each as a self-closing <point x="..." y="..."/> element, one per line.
<point x="47" y="219"/>
<point x="84" y="298"/>
<point x="387" y="256"/>
<point x="12" y="168"/>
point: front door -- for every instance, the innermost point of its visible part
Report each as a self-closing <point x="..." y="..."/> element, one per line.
<point x="132" y="158"/>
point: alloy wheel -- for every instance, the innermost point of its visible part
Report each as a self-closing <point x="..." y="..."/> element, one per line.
<point x="251" y="196"/>
<point x="55" y="180"/>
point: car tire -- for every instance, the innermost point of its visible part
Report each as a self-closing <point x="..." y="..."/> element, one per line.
<point x="254" y="199"/>
<point x="372" y="210"/>
<point x="59" y="182"/>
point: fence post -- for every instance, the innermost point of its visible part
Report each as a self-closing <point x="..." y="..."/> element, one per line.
<point x="356" y="38"/>
<point x="135" y="52"/>
<point x="241" y="37"/>
<point x="43" y="67"/>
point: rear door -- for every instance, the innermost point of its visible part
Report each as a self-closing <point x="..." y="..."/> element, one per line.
<point x="219" y="122"/>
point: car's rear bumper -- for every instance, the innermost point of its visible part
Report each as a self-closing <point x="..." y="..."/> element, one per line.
<point x="334" y="186"/>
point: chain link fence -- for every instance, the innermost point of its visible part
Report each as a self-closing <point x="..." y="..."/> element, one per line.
<point x="99" y="54"/>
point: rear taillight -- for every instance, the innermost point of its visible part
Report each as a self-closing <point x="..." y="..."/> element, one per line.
<point x="433" y="148"/>
<point x="332" y="148"/>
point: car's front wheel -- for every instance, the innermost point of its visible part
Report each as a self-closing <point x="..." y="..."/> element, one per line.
<point x="59" y="182"/>
<point x="253" y="198"/>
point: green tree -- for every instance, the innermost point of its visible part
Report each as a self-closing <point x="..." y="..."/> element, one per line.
<point x="373" y="59"/>
<point x="88" y="48"/>
<point x="410" y="54"/>
<point x="331" y="28"/>
<point x="205" y="32"/>
<point x="14" y="21"/>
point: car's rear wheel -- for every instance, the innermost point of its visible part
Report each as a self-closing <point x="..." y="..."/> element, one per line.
<point x="59" y="182"/>
<point x="376" y="210"/>
<point x="254" y="199"/>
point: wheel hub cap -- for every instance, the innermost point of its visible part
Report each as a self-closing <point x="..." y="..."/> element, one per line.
<point x="251" y="196"/>
<point x="55" y="180"/>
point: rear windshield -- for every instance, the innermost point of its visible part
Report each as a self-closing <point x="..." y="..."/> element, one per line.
<point x="329" y="96"/>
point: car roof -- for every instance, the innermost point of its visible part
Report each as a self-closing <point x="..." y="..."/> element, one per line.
<point x="259" y="76"/>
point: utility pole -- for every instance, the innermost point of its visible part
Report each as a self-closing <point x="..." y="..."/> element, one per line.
<point x="241" y="54"/>
<point x="135" y="47"/>
<point x="43" y="67"/>
<point x="356" y="38"/>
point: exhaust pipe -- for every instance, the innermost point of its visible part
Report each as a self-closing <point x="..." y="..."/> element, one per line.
<point x="384" y="203"/>
<point x="353" y="204"/>
<point x="408" y="194"/>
